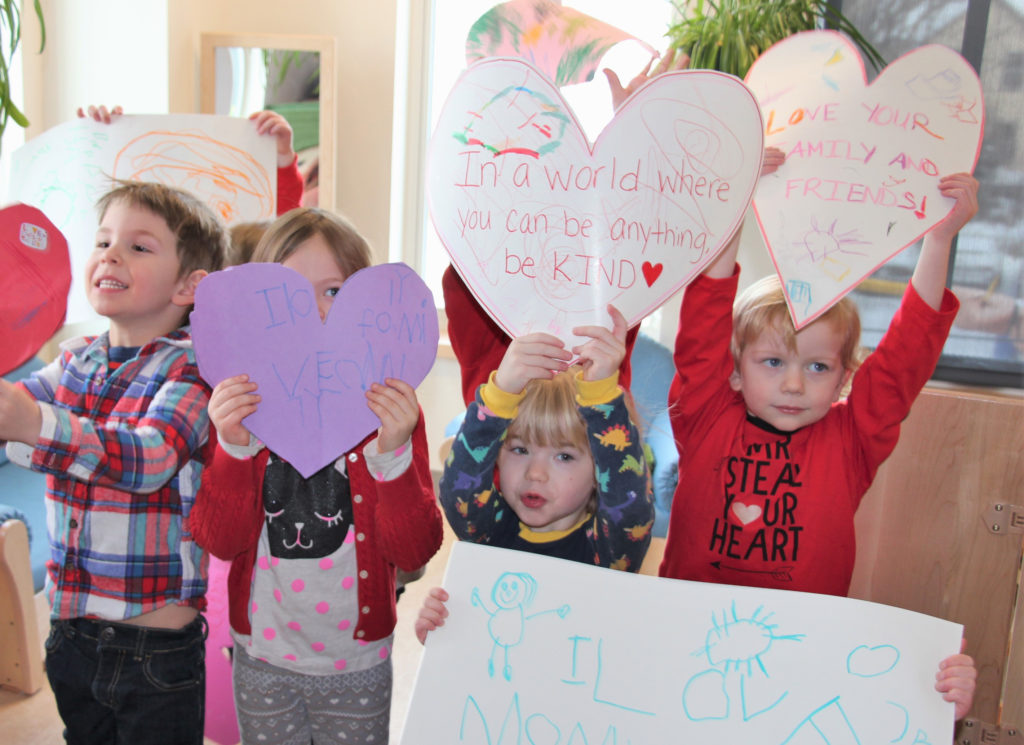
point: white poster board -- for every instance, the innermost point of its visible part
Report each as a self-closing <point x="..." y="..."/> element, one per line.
<point x="541" y="650"/>
<point x="863" y="162"/>
<point x="547" y="229"/>
<point x="220" y="159"/>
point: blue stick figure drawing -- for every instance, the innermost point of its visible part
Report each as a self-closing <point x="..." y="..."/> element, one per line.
<point x="512" y="594"/>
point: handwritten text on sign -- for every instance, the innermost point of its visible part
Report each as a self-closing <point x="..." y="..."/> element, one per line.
<point x="262" y="320"/>
<point x="552" y="652"/>
<point x="547" y="231"/>
<point x="862" y="162"/>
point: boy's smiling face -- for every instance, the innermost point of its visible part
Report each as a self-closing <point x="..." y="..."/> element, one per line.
<point x="787" y="388"/>
<point x="132" y="275"/>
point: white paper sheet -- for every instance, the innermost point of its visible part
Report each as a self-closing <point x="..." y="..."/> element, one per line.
<point x="540" y="650"/>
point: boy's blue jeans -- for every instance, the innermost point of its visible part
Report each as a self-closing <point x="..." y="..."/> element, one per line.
<point x="118" y="683"/>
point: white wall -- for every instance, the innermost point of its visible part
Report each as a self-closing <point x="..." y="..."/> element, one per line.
<point x="86" y="62"/>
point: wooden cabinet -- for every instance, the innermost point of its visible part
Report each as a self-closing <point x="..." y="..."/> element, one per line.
<point x="924" y="543"/>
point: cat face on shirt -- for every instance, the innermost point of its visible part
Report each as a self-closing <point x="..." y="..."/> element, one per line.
<point x="306" y="518"/>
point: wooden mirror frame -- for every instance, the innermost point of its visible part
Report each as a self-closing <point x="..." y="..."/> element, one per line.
<point x="328" y="125"/>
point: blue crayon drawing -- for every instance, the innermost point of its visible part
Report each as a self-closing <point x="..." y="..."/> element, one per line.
<point x="799" y="292"/>
<point x="734" y="648"/>
<point x="826" y="724"/>
<point x="870" y="662"/>
<point x="511" y="594"/>
<point x="906" y="720"/>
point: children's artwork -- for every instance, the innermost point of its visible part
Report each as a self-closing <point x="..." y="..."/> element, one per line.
<point x="546" y="229"/>
<point x="542" y="650"/>
<point x="220" y="159"/>
<point x="35" y="275"/>
<point x="262" y="320"/>
<point x="563" y="43"/>
<point x="862" y="161"/>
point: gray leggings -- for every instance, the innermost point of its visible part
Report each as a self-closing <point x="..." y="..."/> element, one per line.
<point x="277" y="706"/>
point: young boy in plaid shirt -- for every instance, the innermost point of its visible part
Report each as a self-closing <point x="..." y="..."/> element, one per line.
<point x="118" y="423"/>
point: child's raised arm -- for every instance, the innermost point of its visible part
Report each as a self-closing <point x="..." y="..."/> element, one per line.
<point x="724" y="265"/>
<point x="671" y="59"/>
<point x="272" y="123"/>
<point x="139" y="457"/>
<point x="929" y="277"/>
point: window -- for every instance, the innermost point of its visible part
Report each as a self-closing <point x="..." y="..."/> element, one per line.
<point x="986" y="346"/>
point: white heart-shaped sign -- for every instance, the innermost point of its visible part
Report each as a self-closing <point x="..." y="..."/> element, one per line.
<point x="547" y="230"/>
<point x="862" y="161"/>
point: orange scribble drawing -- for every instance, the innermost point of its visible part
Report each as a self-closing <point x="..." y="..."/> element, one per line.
<point x="227" y="178"/>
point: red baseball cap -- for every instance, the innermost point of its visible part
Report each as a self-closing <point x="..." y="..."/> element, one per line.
<point x="35" y="276"/>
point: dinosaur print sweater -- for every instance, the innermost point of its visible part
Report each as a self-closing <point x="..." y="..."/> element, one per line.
<point x="616" y="535"/>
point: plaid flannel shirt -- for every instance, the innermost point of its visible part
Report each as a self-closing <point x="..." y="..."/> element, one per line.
<point x="123" y="455"/>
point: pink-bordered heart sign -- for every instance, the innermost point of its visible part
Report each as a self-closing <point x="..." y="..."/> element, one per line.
<point x="862" y="161"/>
<point x="262" y="320"/>
<point x="546" y="229"/>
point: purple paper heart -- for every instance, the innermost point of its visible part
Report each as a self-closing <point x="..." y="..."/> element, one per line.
<point x="262" y="320"/>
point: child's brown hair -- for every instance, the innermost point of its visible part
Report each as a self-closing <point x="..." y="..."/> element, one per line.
<point x="350" y="249"/>
<point x="202" y="238"/>
<point x="763" y="306"/>
<point x="245" y="236"/>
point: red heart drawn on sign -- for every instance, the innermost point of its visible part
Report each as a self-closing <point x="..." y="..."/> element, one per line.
<point x="547" y="229"/>
<point x="652" y="272"/>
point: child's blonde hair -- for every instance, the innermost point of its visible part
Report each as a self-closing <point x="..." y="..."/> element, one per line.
<point x="202" y="240"/>
<point x="763" y="306"/>
<point x="548" y="414"/>
<point x="350" y="249"/>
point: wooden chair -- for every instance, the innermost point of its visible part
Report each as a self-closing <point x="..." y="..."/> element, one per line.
<point x="21" y="658"/>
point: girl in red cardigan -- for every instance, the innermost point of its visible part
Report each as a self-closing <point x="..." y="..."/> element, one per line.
<point x="311" y="589"/>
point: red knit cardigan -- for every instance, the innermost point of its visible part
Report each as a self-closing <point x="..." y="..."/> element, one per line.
<point x="397" y="524"/>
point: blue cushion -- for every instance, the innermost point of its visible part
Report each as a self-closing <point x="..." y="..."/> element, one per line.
<point x="11" y="513"/>
<point x="653" y="369"/>
<point x="23" y="492"/>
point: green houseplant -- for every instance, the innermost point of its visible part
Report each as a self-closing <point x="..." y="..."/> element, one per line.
<point x="10" y="36"/>
<point x="728" y="35"/>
